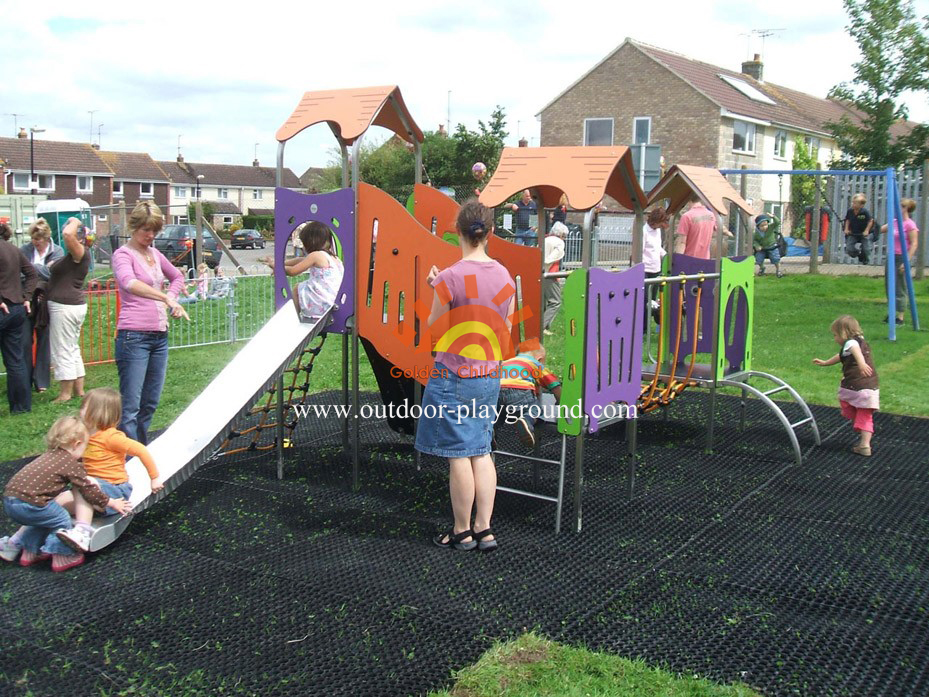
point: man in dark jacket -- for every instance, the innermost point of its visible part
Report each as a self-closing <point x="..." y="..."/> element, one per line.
<point x="17" y="282"/>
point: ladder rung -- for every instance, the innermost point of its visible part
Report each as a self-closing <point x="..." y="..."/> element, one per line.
<point x="776" y="389"/>
<point x="800" y="423"/>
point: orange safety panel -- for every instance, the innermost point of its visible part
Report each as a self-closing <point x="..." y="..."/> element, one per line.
<point x="682" y="181"/>
<point x="432" y="205"/>
<point x="585" y="174"/>
<point x="351" y="112"/>
<point x="394" y="293"/>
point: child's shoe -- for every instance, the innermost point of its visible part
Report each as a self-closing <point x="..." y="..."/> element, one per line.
<point x="77" y="538"/>
<point x="63" y="562"/>
<point x="28" y="558"/>
<point x="9" y="550"/>
<point x="526" y="432"/>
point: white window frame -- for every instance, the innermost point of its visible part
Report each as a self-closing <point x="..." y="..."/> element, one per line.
<point x="750" y="130"/>
<point x="257" y="194"/>
<point x="48" y="178"/>
<point x="603" y="118"/>
<point x="89" y="189"/>
<point x="775" y="209"/>
<point x="227" y="220"/>
<point x="117" y="189"/>
<point x="810" y="142"/>
<point x="780" y="136"/>
<point x="635" y="121"/>
<point x="146" y="194"/>
<point x="222" y="193"/>
<point x="23" y="177"/>
<point x="180" y="191"/>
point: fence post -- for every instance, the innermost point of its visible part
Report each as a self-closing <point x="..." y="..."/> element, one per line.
<point x="230" y="310"/>
<point x="921" y="251"/>
<point x="815" y="223"/>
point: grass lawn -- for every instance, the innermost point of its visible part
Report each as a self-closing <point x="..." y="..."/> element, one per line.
<point x="530" y="666"/>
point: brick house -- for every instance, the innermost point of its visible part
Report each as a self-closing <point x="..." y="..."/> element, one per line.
<point x="63" y="170"/>
<point x="699" y="114"/>
<point x="233" y="190"/>
<point x="136" y="177"/>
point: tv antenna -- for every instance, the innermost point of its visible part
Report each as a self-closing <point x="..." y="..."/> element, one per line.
<point x="764" y="34"/>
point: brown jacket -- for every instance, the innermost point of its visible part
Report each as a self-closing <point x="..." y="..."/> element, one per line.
<point x="852" y="379"/>
<point x="48" y="475"/>
<point x="13" y="263"/>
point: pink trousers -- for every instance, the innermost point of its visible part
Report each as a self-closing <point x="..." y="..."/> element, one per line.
<point x="862" y="419"/>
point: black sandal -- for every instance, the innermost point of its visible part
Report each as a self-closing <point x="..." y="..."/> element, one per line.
<point x="485" y="545"/>
<point x="449" y="540"/>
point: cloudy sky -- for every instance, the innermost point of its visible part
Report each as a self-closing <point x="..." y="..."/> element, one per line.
<point x="223" y="79"/>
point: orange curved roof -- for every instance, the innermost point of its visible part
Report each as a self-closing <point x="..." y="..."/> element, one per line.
<point x="682" y="181"/>
<point x="585" y="174"/>
<point x="351" y="112"/>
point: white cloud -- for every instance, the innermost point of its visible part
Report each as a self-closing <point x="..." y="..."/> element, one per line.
<point x="225" y="79"/>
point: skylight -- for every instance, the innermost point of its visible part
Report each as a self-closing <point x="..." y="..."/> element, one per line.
<point x="747" y="90"/>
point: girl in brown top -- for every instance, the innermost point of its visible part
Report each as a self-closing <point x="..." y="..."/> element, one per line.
<point x="67" y="309"/>
<point x="859" y="393"/>
<point x="39" y="499"/>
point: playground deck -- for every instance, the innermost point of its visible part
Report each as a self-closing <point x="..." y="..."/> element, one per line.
<point x="739" y="566"/>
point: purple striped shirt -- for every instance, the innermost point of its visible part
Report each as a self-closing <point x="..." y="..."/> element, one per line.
<point x="136" y="312"/>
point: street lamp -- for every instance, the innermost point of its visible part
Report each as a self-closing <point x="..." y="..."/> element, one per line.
<point x="32" y="181"/>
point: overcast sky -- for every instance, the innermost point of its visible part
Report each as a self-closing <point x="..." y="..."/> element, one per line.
<point x="223" y="79"/>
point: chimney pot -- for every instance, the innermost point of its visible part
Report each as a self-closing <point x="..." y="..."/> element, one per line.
<point x="255" y="163"/>
<point x="754" y="68"/>
<point x="523" y="143"/>
<point x="180" y="158"/>
<point x="22" y="133"/>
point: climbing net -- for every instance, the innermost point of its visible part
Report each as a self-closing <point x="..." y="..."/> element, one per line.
<point x="261" y="436"/>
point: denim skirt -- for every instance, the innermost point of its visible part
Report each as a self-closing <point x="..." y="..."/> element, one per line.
<point x="458" y="414"/>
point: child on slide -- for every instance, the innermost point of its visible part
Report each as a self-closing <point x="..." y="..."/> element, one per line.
<point x="105" y="462"/>
<point x="39" y="498"/>
<point x="316" y="294"/>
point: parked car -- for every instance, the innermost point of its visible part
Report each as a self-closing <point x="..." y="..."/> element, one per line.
<point x="247" y="239"/>
<point x="177" y="241"/>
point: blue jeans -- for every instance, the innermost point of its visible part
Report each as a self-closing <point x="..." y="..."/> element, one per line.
<point x="142" y="362"/>
<point x="527" y="238"/>
<point x="518" y="404"/>
<point x="12" y="329"/>
<point x="114" y="491"/>
<point x="858" y="247"/>
<point x="42" y="522"/>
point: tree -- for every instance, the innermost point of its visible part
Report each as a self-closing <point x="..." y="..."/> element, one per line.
<point x="894" y="59"/>
<point x="802" y="186"/>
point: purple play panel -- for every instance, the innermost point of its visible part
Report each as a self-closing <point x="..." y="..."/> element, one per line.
<point x="735" y="336"/>
<point x="682" y="265"/>
<point x="615" y="315"/>
<point x="337" y="211"/>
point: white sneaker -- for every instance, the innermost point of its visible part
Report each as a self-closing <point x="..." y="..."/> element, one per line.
<point x="526" y="432"/>
<point x="77" y="538"/>
<point x="9" y="550"/>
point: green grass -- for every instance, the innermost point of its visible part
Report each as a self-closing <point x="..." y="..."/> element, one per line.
<point x="531" y="666"/>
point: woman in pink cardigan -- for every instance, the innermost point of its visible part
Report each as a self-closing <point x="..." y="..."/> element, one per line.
<point x="142" y="327"/>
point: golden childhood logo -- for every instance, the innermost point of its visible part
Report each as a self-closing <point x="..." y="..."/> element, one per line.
<point x="475" y="331"/>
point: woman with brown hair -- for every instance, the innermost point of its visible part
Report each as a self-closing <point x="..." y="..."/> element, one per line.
<point x="42" y="253"/>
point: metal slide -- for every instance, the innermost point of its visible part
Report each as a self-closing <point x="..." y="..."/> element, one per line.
<point x="203" y="426"/>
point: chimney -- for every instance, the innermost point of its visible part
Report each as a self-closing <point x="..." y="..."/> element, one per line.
<point x="180" y="159"/>
<point x="442" y="131"/>
<point x="753" y="68"/>
<point x="523" y="143"/>
<point x="95" y="146"/>
<point x="22" y="133"/>
<point x="255" y="163"/>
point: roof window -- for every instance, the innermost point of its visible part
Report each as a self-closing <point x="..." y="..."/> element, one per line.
<point x="746" y="89"/>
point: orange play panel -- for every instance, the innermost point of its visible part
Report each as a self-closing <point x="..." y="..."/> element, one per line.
<point x="392" y="289"/>
<point x="351" y="112"/>
<point x="585" y="174"/>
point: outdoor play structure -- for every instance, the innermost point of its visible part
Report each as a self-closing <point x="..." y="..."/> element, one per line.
<point x="383" y="303"/>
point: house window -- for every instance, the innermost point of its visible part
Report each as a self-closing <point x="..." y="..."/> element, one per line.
<point x="227" y="220"/>
<point x="743" y="136"/>
<point x="598" y="131"/>
<point x="780" y="144"/>
<point x="117" y="189"/>
<point x="21" y="182"/>
<point x="146" y="189"/>
<point x="222" y="193"/>
<point x="180" y="191"/>
<point x="179" y="219"/>
<point x="85" y="185"/>
<point x="102" y="217"/>
<point x="774" y="209"/>
<point x="43" y="182"/>
<point x="641" y="130"/>
<point x="812" y="145"/>
<point x="257" y="194"/>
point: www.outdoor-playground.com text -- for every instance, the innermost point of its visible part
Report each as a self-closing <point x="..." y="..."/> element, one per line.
<point x="465" y="411"/>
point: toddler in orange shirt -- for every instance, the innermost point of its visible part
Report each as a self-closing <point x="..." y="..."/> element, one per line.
<point x="105" y="460"/>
